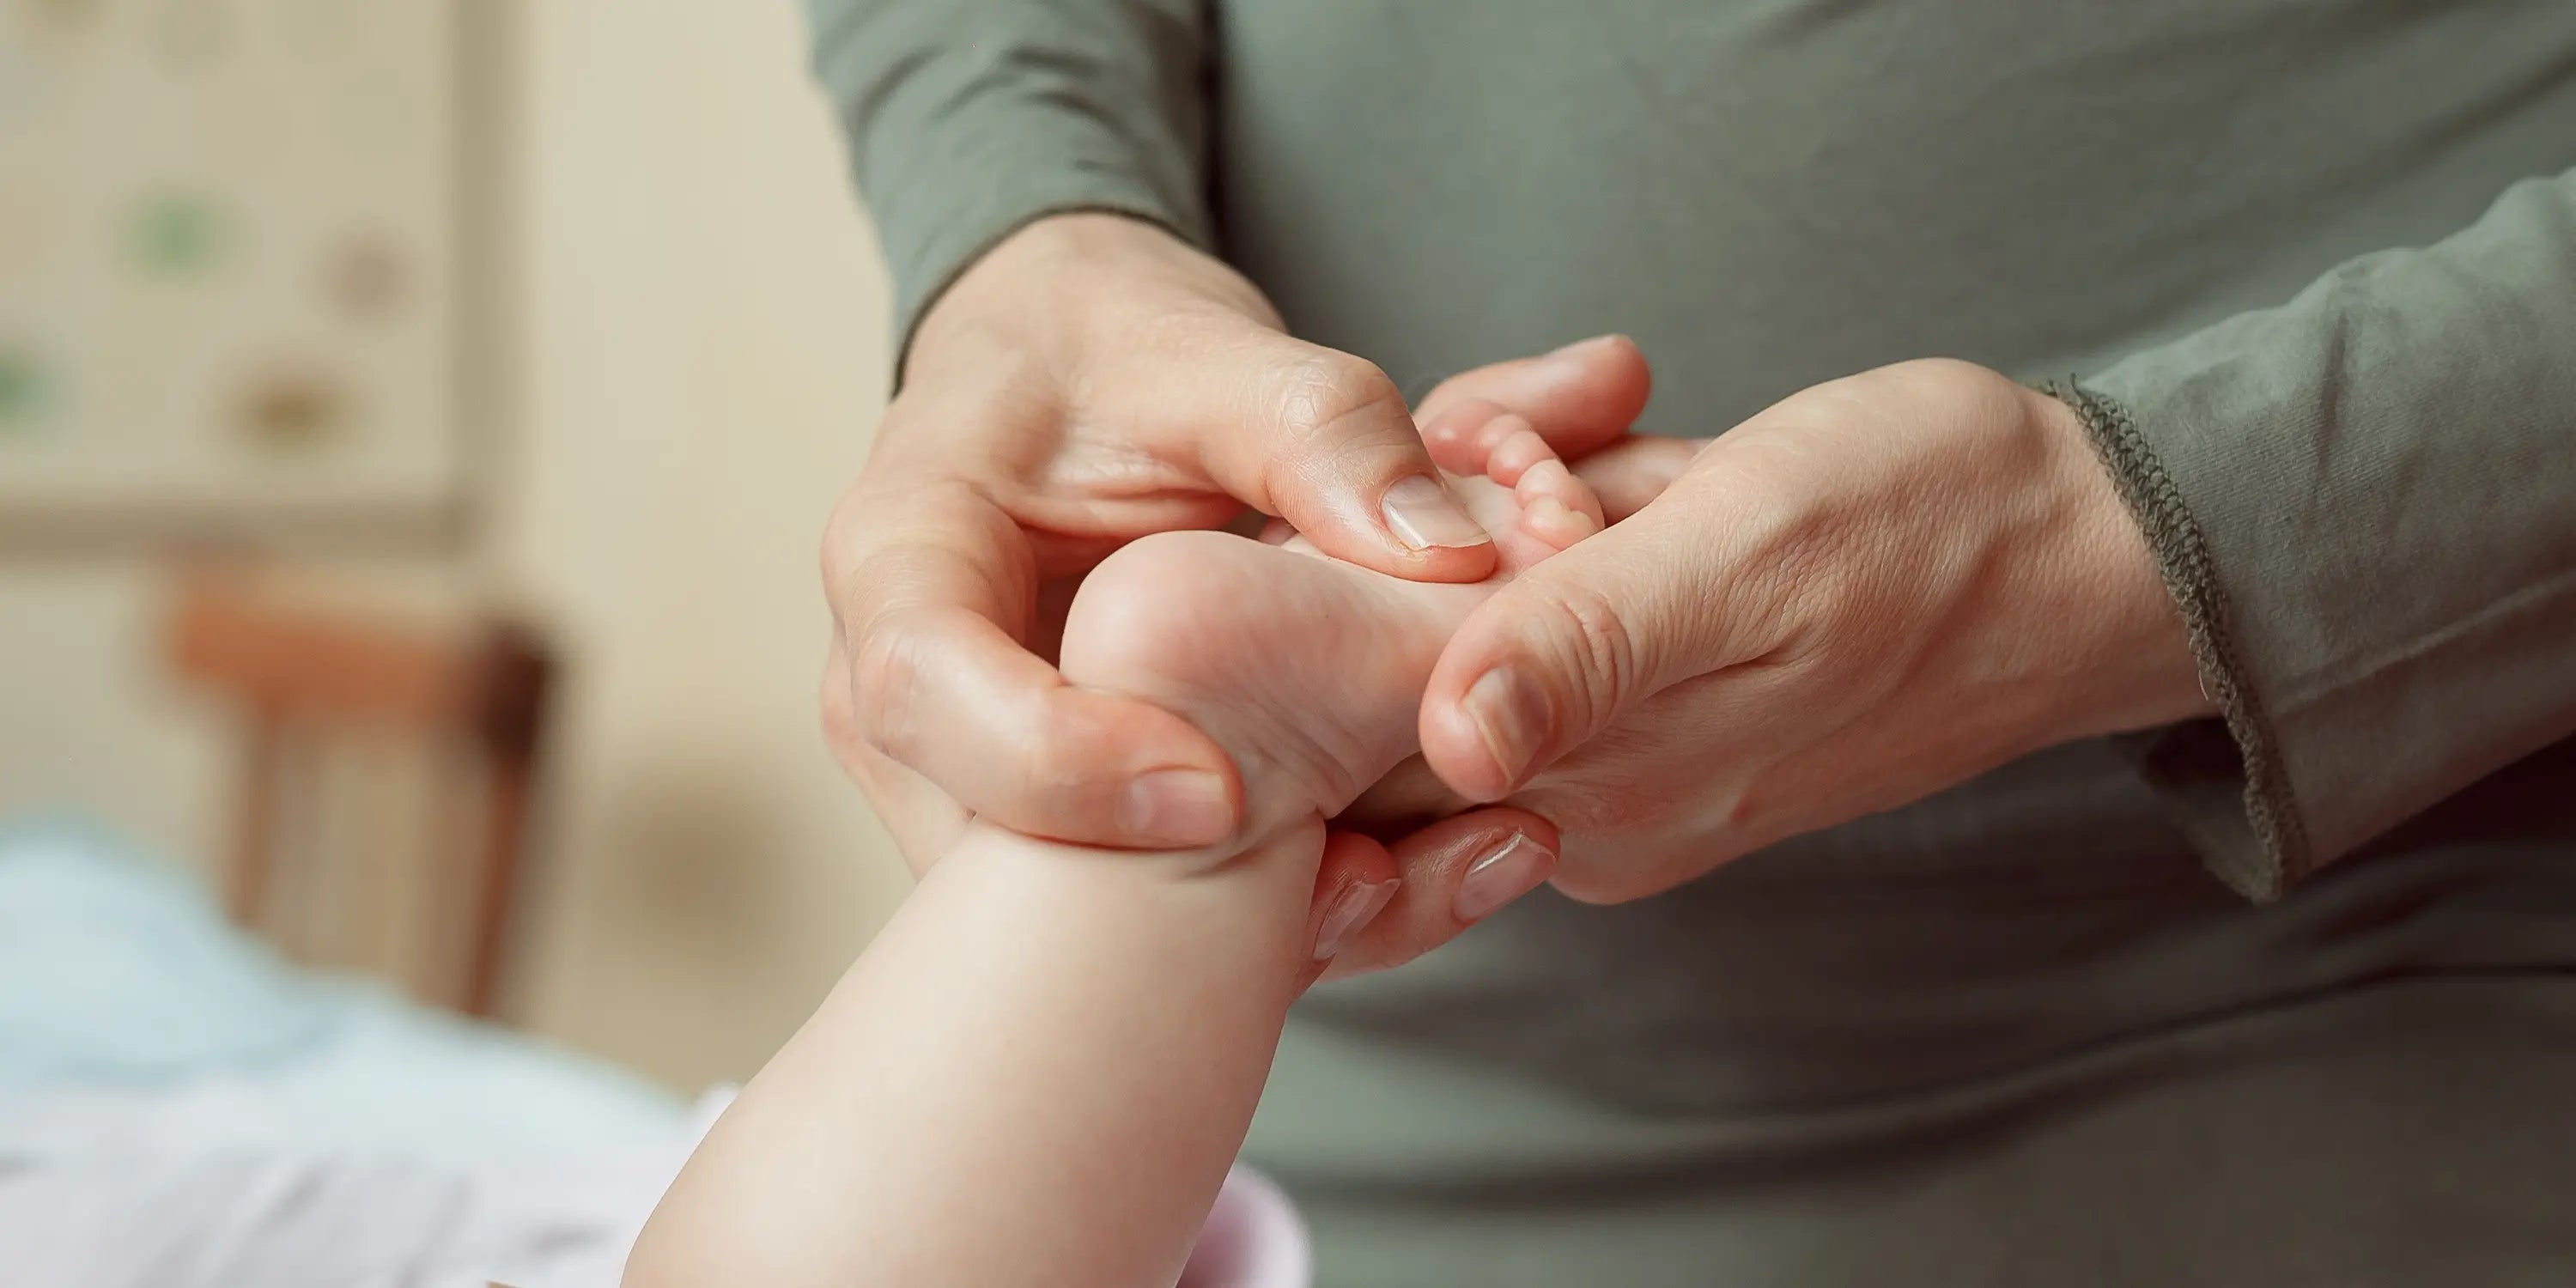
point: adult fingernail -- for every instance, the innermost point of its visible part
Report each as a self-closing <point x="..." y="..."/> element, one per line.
<point x="1177" y="807"/>
<point x="1510" y="871"/>
<point x="1351" y="914"/>
<point x="1511" y="716"/>
<point x="1422" y="514"/>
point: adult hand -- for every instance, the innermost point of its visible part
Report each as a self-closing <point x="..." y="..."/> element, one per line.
<point x="1875" y="589"/>
<point x="1091" y="380"/>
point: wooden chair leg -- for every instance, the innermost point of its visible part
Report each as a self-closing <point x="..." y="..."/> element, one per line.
<point x="516" y="679"/>
<point x="505" y="824"/>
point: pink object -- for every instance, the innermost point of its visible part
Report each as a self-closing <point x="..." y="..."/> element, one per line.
<point x="1253" y="1239"/>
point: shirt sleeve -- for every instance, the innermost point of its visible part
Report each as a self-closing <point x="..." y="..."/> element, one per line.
<point x="966" y="119"/>
<point x="2364" y="502"/>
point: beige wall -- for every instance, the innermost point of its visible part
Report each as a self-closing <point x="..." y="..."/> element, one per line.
<point x="706" y="321"/>
<point x="700" y="350"/>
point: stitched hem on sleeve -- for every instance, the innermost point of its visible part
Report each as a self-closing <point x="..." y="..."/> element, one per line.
<point x="2279" y="854"/>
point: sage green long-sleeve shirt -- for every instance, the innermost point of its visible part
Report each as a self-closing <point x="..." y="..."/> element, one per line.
<point x="2312" y="270"/>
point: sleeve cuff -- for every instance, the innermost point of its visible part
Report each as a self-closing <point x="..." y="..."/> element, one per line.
<point x="2225" y="780"/>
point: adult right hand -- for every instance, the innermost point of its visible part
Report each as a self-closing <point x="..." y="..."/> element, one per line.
<point x="1089" y="381"/>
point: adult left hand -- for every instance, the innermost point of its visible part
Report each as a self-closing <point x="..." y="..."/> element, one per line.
<point x="1875" y="589"/>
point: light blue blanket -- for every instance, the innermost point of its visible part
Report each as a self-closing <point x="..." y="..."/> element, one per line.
<point x="118" y="974"/>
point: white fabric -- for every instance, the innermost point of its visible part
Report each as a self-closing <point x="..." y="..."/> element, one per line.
<point x="164" y="1195"/>
<point x="180" y="1108"/>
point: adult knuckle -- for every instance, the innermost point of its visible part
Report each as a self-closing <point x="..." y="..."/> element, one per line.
<point x="1602" y="649"/>
<point x="856" y="538"/>
<point x="899" y="551"/>
<point x="1056" y="756"/>
<point x="1326" y="389"/>
<point x="884" y="689"/>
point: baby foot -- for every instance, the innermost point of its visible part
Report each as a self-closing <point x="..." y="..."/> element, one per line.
<point x="1308" y="670"/>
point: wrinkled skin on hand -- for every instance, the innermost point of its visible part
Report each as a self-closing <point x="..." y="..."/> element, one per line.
<point x="1873" y="590"/>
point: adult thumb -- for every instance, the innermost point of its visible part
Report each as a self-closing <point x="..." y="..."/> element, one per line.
<point x="1323" y="439"/>
<point x="1557" y="656"/>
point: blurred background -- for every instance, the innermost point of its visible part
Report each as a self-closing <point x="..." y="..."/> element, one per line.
<point x="417" y="419"/>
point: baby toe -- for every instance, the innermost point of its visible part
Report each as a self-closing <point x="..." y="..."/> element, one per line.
<point x="1552" y="480"/>
<point x="1557" y="524"/>
<point x="1457" y="438"/>
<point x="1516" y="448"/>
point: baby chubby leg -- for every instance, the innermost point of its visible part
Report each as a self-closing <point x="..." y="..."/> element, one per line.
<point x="1037" y="1075"/>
